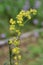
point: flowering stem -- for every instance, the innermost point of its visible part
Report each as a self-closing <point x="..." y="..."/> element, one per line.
<point x="10" y="55"/>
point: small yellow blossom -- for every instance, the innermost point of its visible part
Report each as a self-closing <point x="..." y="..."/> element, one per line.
<point x="31" y="10"/>
<point x="19" y="33"/>
<point x="16" y="50"/>
<point x="20" y="19"/>
<point x="16" y="42"/>
<point x="15" y="57"/>
<point x="10" y="41"/>
<point x="15" y="38"/>
<point x="29" y="17"/>
<point x="34" y="11"/>
<point x="27" y="13"/>
<point x="22" y="13"/>
<point x="16" y="63"/>
<point x="17" y="30"/>
<point x="19" y="22"/>
<point x="19" y="16"/>
<point x="12" y="27"/>
<point x="12" y="21"/>
<point x="19" y="57"/>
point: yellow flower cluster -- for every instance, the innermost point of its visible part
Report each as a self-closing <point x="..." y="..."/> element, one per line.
<point x="16" y="42"/>
<point x="33" y="11"/>
<point x="20" y="18"/>
<point x="19" y="21"/>
<point x="16" y="50"/>
<point x="16" y="63"/>
<point x="20" y="15"/>
<point x="18" y="32"/>
<point x="25" y="14"/>
<point x="10" y="42"/>
<point x="12" y="21"/>
<point x="17" y="57"/>
<point x="12" y="25"/>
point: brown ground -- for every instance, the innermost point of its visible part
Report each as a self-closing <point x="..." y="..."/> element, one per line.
<point x="4" y="49"/>
<point x="3" y="54"/>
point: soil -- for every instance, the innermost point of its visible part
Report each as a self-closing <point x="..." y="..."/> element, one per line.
<point x="4" y="49"/>
<point x="3" y="54"/>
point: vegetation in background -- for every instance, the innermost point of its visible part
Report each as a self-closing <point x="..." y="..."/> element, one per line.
<point x="9" y="9"/>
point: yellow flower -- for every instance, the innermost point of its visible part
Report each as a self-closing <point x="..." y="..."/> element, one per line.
<point x="19" y="16"/>
<point x="10" y="41"/>
<point x="16" y="50"/>
<point x="12" y="27"/>
<point x="27" y="13"/>
<point x="15" y="38"/>
<point x="29" y="17"/>
<point x="20" y="19"/>
<point x="15" y="57"/>
<point x="12" y="21"/>
<point x="16" y="42"/>
<point x="19" y="57"/>
<point x="16" y="63"/>
<point x="34" y="11"/>
<point x="19" y="22"/>
<point x="18" y="31"/>
<point x="22" y="13"/>
<point x="31" y="10"/>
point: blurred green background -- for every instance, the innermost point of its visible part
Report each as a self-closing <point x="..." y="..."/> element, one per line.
<point x="8" y="9"/>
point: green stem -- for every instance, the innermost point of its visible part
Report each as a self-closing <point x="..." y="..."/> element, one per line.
<point x="10" y="54"/>
<point x="26" y="21"/>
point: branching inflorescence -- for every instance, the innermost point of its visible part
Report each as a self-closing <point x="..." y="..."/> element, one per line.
<point x="15" y="51"/>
